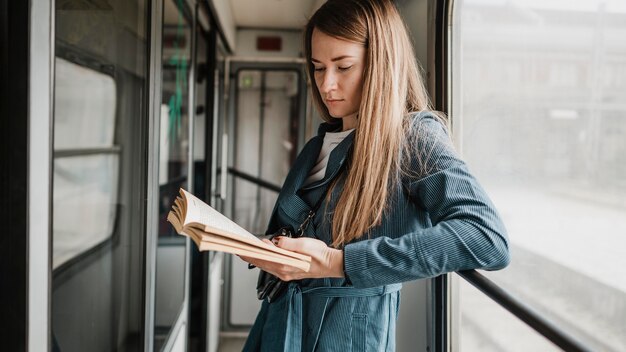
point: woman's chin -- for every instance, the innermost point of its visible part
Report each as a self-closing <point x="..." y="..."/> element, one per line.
<point x="336" y="113"/>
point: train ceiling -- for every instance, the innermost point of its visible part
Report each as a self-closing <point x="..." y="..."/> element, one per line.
<point x="283" y="14"/>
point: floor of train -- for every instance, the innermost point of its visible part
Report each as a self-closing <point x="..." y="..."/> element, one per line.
<point x="231" y="344"/>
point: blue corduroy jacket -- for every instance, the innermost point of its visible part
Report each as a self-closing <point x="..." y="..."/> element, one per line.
<point x="439" y="220"/>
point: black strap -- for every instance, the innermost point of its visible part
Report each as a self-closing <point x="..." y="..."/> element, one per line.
<point x="309" y="218"/>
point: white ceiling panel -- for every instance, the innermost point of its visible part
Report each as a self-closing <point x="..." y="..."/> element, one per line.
<point x="273" y="13"/>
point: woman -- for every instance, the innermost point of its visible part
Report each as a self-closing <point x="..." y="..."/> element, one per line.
<point x="397" y="204"/>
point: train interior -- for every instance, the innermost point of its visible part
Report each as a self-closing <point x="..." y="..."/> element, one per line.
<point x="127" y="101"/>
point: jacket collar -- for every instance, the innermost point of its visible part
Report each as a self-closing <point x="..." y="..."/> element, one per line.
<point x="291" y="199"/>
<point x="308" y="157"/>
<point x="333" y="126"/>
<point x="337" y="157"/>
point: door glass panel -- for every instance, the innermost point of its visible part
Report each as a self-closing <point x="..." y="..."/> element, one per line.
<point x="538" y="95"/>
<point x="99" y="176"/>
<point x="266" y="141"/>
<point x="199" y="262"/>
<point x="266" y="137"/>
<point x="173" y="167"/>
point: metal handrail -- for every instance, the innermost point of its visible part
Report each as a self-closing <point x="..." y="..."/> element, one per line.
<point x="255" y="180"/>
<point x="71" y="152"/>
<point x="524" y="312"/>
<point x="520" y="310"/>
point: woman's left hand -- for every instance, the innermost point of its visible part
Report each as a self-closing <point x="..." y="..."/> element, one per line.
<point x="325" y="261"/>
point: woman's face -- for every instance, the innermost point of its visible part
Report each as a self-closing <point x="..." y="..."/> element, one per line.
<point x="339" y="68"/>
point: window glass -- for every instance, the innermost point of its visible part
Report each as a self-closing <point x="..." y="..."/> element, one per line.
<point x="538" y="106"/>
<point x="488" y="327"/>
<point x="99" y="175"/>
<point x="85" y="119"/>
<point x="174" y="165"/>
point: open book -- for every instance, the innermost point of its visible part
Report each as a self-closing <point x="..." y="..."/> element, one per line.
<point x="212" y="231"/>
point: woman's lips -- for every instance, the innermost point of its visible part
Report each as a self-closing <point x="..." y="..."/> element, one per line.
<point x="333" y="101"/>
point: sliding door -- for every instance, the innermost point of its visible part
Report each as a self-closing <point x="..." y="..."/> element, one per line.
<point x="99" y="175"/>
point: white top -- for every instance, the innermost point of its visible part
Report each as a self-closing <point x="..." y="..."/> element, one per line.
<point x="331" y="140"/>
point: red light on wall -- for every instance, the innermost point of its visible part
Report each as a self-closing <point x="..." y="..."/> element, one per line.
<point x="269" y="43"/>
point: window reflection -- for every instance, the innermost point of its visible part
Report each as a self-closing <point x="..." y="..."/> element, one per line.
<point x="79" y="181"/>
<point x="86" y="160"/>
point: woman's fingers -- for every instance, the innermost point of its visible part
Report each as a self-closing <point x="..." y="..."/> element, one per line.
<point x="290" y="244"/>
<point x="304" y="245"/>
<point x="283" y="272"/>
<point x="326" y="261"/>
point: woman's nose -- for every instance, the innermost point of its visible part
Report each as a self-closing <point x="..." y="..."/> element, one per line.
<point x="329" y="82"/>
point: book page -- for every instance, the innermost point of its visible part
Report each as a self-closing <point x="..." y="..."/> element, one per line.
<point x="202" y="213"/>
<point x="208" y="231"/>
<point x="210" y="246"/>
<point x="204" y="224"/>
<point x="246" y="250"/>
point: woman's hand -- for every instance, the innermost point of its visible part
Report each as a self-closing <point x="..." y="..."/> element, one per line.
<point x="325" y="261"/>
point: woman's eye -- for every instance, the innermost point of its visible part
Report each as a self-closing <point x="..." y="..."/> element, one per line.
<point x="318" y="69"/>
<point x="345" y="68"/>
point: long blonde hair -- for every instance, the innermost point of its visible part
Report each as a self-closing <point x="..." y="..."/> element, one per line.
<point x="392" y="89"/>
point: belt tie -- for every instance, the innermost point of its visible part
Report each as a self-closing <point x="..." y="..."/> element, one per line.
<point x="293" y="331"/>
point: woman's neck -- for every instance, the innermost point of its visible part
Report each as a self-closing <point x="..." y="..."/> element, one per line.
<point x="348" y="122"/>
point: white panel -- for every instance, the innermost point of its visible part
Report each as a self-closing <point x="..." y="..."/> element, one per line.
<point x="41" y="71"/>
<point x="164" y="144"/>
<point x="244" y="305"/>
<point x="198" y="137"/>
<point x="215" y="302"/>
<point x="170" y="258"/>
<point x="85" y="199"/>
<point x="84" y="102"/>
<point x="271" y="13"/>
<point x="181" y="337"/>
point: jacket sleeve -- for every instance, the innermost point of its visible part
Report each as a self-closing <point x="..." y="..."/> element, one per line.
<point x="466" y="231"/>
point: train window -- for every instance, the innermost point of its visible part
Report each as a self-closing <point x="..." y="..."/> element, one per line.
<point x="82" y="177"/>
<point x="174" y="160"/>
<point x="538" y="107"/>
<point x="99" y="166"/>
<point x="486" y="326"/>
